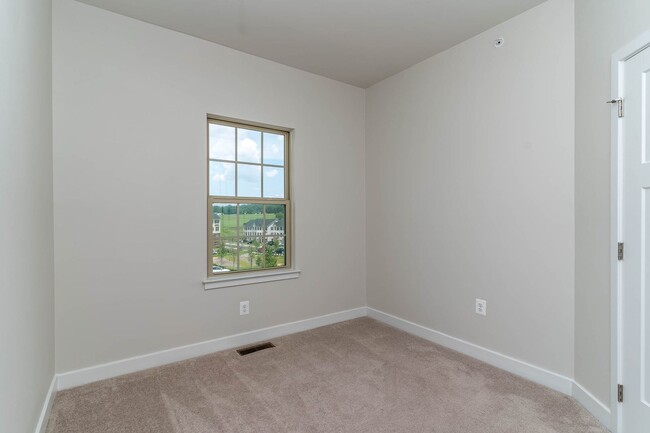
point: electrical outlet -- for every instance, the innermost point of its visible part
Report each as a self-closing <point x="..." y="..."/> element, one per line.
<point x="243" y="308"/>
<point x="481" y="307"/>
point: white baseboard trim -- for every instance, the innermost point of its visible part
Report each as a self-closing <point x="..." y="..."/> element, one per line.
<point x="528" y="371"/>
<point x="593" y="405"/>
<point x="531" y="372"/>
<point x="156" y="359"/>
<point x="47" y="407"/>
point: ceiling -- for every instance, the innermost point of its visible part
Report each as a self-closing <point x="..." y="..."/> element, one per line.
<point x="359" y="42"/>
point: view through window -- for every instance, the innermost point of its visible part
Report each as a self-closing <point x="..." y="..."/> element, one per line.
<point x="248" y="197"/>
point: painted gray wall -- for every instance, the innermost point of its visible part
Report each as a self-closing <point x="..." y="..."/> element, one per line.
<point x="26" y="274"/>
<point x="130" y="104"/>
<point x="602" y="27"/>
<point x="470" y="193"/>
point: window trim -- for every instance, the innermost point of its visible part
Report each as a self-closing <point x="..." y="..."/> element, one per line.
<point x="250" y="276"/>
<point x="246" y="277"/>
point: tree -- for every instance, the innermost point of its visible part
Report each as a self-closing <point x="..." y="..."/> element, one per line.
<point x="251" y="254"/>
<point x="247" y="209"/>
<point x="222" y="251"/>
<point x="224" y="209"/>
<point x="270" y="260"/>
<point x="233" y="251"/>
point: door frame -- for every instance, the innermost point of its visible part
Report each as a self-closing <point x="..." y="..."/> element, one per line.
<point x="616" y="230"/>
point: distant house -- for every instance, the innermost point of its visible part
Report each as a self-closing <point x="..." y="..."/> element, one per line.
<point x="255" y="228"/>
<point x="216" y="224"/>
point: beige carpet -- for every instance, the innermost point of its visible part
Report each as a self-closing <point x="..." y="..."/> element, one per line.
<point x="356" y="376"/>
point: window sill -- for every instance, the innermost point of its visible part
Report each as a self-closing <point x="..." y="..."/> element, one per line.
<point x="254" y="278"/>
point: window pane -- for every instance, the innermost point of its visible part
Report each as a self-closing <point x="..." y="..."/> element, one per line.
<point x="249" y="180"/>
<point x="249" y="145"/>
<point x="250" y="252"/>
<point x="273" y="182"/>
<point x="273" y="149"/>
<point x="222" y="142"/>
<point x="224" y="220"/>
<point x="224" y="255"/>
<point x="274" y="252"/>
<point x="222" y="178"/>
<point x="275" y="220"/>
<point x="251" y="222"/>
<point x="275" y="215"/>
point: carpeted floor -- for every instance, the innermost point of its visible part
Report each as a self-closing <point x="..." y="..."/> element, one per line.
<point x="356" y="376"/>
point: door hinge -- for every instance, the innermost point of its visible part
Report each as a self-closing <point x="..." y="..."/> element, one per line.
<point x="619" y="105"/>
<point x="621" y="250"/>
<point x="620" y="393"/>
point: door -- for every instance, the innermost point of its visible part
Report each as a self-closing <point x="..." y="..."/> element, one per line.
<point x="636" y="236"/>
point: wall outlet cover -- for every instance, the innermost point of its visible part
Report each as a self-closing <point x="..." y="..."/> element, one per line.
<point x="481" y="307"/>
<point x="244" y="308"/>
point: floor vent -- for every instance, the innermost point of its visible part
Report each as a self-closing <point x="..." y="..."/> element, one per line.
<point x="256" y="348"/>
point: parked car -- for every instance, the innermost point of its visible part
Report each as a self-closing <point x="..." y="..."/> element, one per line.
<point x="279" y="251"/>
<point x="216" y="269"/>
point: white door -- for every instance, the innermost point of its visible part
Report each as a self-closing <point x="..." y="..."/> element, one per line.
<point x="636" y="235"/>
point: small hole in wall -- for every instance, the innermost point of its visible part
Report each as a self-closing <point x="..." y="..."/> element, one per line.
<point x="498" y="42"/>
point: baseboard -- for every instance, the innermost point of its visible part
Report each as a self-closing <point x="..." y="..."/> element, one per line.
<point x="47" y="407"/>
<point x="528" y="371"/>
<point x="597" y="408"/>
<point x="156" y="359"/>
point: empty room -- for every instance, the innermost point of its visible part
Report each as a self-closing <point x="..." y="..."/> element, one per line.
<point x="268" y="216"/>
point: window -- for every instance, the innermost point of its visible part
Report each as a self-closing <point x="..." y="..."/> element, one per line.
<point x="249" y="207"/>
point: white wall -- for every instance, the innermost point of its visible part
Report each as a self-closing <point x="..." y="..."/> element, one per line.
<point x="26" y="263"/>
<point x="130" y="103"/>
<point x="602" y="27"/>
<point x="469" y="174"/>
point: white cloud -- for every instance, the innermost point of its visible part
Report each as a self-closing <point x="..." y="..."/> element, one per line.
<point x="222" y="178"/>
<point x="275" y="149"/>
<point x="249" y="150"/>
<point x="222" y="172"/>
<point x="271" y="173"/>
<point x="250" y="173"/>
<point x="222" y="142"/>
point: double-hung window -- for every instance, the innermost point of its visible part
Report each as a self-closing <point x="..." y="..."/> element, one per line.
<point x="249" y="208"/>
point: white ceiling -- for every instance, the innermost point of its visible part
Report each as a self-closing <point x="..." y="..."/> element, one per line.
<point x="359" y="42"/>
